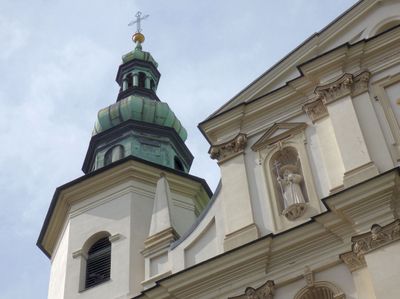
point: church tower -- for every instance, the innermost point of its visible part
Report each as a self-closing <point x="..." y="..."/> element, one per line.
<point x="108" y="233"/>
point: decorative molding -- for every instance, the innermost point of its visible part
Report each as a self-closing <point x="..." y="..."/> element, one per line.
<point x="360" y="84"/>
<point x="269" y="137"/>
<point x="80" y="253"/>
<point x="227" y="150"/>
<point x="348" y="84"/>
<point x="333" y="91"/>
<point x="159" y="242"/>
<point x="294" y="211"/>
<point x="320" y="290"/>
<point x="316" y="110"/>
<point x="115" y="238"/>
<point x="362" y="244"/>
<point x="309" y="276"/>
<point x="378" y="236"/>
<point x="353" y="261"/>
<point x="266" y="291"/>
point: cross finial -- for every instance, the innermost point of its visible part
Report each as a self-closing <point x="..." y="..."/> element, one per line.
<point x="138" y="20"/>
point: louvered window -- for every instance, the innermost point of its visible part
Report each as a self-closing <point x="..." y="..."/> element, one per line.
<point x="98" y="263"/>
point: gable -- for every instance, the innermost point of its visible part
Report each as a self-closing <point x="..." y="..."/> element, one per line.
<point x="278" y="132"/>
<point x="362" y="21"/>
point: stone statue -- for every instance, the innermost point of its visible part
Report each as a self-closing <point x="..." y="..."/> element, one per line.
<point x="290" y="180"/>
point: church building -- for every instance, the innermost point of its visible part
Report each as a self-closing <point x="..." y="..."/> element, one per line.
<point x="308" y="204"/>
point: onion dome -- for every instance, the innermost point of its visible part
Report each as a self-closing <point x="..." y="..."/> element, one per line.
<point x="138" y="125"/>
<point x="140" y="109"/>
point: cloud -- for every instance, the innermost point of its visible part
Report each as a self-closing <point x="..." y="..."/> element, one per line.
<point x="13" y="37"/>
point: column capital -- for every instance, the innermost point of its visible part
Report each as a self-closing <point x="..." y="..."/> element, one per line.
<point x="362" y="244"/>
<point x="347" y="84"/>
<point x="227" y="150"/>
<point x="266" y="291"/>
<point x="316" y="110"/>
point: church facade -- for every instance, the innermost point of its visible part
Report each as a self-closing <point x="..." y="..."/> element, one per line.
<point x="308" y="205"/>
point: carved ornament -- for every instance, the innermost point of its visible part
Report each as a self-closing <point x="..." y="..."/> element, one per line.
<point x="294" y="211"/>
<point x="346" y="85"/>
<point x="362" y="244"/>
<point x="266" y="291"/>
<point x="227" y="150"/>
<point x="315" y="110"/>
<point x="353" y="261"/>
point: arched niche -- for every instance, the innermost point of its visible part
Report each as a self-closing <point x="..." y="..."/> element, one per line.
<point x="320" y="290"/>
<point x="283" y="147"/>
<point x="285" y="166"/>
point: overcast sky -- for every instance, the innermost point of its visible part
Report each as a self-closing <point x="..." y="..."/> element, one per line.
<point x="58" y="61"/>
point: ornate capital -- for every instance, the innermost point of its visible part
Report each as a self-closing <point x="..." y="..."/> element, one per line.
<point x="227" y="150"/>
<point x="361" y="83"/>
<point x="335" y="90"/>
<point x="346" y="85"/>
<point x="362" y="244"/>
<point x="353" y="261"/>
<point x="315" y="110"/>
<point x="266" y="291"/>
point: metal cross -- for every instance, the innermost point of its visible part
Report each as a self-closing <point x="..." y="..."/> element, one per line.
<point x="139" y="18"/>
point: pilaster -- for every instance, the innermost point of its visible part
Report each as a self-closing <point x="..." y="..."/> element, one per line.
<point x="337" y="97"/>
<point x="332" y="160"/>
<point x="375" y="262"/>
<point x="238" y="215"/>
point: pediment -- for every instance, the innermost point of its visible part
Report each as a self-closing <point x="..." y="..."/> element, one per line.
<point x="363" y="20"/>
<point x="278" y="132"/>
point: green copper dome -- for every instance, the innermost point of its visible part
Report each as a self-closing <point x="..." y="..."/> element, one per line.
<point x="138" y="108"/>
<point x="137" y="53"/>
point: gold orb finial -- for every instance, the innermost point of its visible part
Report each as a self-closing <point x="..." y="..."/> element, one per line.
<point x="138" y="38"/>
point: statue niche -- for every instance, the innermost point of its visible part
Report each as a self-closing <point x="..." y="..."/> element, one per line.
<point x="289" y="184"/>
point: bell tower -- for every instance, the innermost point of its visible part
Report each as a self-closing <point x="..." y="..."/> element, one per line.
<point x="104" y="229"/>
<point x="138" y="124"/>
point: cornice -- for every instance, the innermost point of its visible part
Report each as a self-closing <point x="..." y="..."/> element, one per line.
<point x="374" y="54"/>
<point x="127" y="169"/>
<point x="319" y="39"/>
<point x="363" y="244"/>
<point x="282" y="257"/>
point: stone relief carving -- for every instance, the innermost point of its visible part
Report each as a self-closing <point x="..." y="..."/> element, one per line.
<point x="318" y="289"/>
<point x="316" y="110"/>
<point x="361" y="82"/>
<point x="287" y="168"/>
<point x="227" y="150"/>
<point x="378" y="236"/>
<point x="353" y="261"/>
<point x="335" y="90"/>
<point x="266" y="291"/>
<point x="348" y="84"/>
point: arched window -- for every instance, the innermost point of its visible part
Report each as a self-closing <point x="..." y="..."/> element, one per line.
<point x="142" y="79"/>
<point x="98" y="264"/>
<point x="129" y="80"/>
<point x="114" y="154"/>
<point x="178" y="164"/>
<point x="152" y="84"/>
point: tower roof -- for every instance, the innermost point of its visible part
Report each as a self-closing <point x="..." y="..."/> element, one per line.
<point x="139" y="54"/>
<point x="139" y="108"/>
